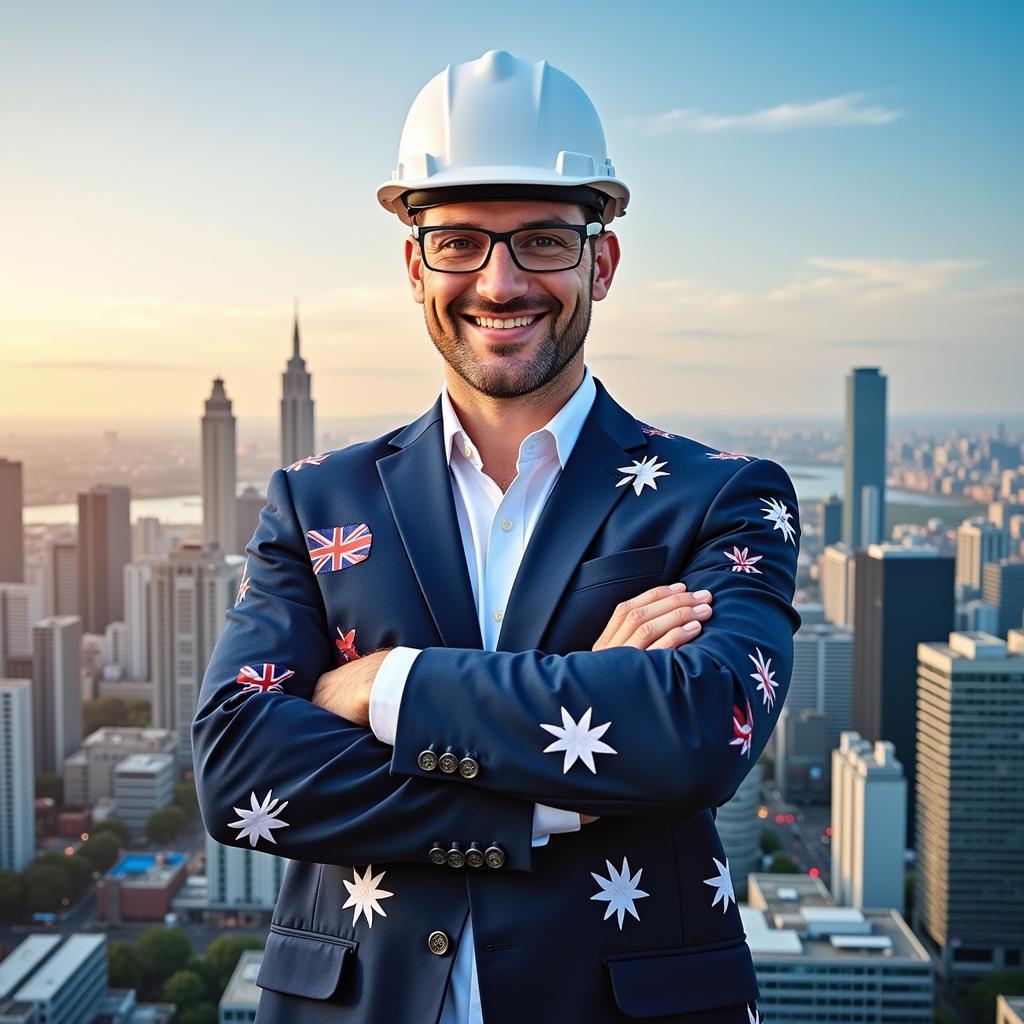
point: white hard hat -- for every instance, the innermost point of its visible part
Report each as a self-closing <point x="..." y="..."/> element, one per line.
<point x="502" y="128"/>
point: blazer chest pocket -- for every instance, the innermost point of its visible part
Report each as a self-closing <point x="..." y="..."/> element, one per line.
<point x="303" y="963"/>
<point x="671" y="981"/>
<point x="619" y="565"/>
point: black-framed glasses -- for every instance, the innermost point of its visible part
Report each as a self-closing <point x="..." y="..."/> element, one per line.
<point x="538" y="249"/>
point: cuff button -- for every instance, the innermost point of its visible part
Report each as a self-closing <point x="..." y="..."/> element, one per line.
<point x="475" y="856"/>
<point x="427" y="760"/>
<point x="456" y="858"/>
<point x="494" y="856"/>
<point x="469" y="767"/>
<point x="438" y="854"/>
<point x="448" y="762"/>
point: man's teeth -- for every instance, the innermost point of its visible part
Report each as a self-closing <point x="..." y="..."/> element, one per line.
<point x="519" y="321"/>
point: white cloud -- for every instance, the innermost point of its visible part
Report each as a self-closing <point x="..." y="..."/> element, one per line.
<point x="838" y="111"/>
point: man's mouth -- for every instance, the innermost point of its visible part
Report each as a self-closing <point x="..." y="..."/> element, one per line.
<point x="507" y="328"/>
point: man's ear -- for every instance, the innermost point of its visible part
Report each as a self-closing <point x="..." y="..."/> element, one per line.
<point x="414" y="267"/>
<point x="606" y="259"/>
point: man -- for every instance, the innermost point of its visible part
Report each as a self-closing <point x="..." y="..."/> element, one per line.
<point x="471" y="686"/>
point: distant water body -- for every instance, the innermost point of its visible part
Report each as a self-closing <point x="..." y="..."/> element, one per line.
<point x="812" y="482"/>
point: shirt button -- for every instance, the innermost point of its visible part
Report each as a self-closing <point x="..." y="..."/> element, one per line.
<point x="499" y="615"/>
<point x="506" y="524"/>
<point x="437" y="943"/>
<point x="468" y="451"/>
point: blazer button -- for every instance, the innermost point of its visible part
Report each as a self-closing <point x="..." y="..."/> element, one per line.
<point x="427" y="759"/>
<point x="474" y="855"/>
<point x="437" y="854"/>
<point x="448" y="762"/>
<point x="456" y="858"/>
<point x="495" y="856"/>
<point x="469" y="767"/>
<point x="437" y="943"/>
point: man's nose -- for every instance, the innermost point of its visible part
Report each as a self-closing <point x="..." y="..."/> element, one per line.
<point x="501" y="279"/>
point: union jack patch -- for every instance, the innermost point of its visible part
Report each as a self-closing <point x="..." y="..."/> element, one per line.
<point x="309" y="460"/>
<point x="263" y="677"/>
<point x="337" y="547"/>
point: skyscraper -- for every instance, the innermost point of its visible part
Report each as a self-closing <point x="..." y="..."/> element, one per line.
<point x="969" y="901"/>
<point x="104" y="549"/>
<point x="1002" y="586"/>
<point x="12" y="500"/>
<point x="904" y="596"/>
<point x="220" y="515"/>
<point x="977" y="542"/>
<point x="191" y="590"/>
<point x="56" y="690"/>
<point x="17" y="775"/>
<point x="822" y="676"/>
<point x="61" y="596"/>
<point x="296" y="406"/>
<point x="837" y="567"/>
<point x="864" y="459"/>
<point x="830" y="512"/>
<point x="21" y="606"/>
<point x="138" y="578"/>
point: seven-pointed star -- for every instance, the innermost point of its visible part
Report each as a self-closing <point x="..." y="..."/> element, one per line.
<point x="644" y="473"/>
<point x="780" y="517"/>
<point x="364" y="894"/>
<point x="620" y="890"/>
<point x="258" y="822"/>
<point x="765" y="676"/>
<point x="578" y="740"/>
<point x="722" y="884"/>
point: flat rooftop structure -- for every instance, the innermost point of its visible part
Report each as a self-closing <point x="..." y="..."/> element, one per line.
<point x="56" y="971"/>
<point x="23" y="960"/>
<point x="146" y="868"/>
<point x="242" y="991"/>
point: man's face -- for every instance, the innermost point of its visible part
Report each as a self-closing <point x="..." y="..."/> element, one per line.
<point x="509" y="362"/>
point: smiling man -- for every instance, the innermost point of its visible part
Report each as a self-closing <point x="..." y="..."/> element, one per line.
<point x="471" y="686"/>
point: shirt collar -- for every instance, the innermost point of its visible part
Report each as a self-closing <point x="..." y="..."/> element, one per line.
<point x="563" y="428"/>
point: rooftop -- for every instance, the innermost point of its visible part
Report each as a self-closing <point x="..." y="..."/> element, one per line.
<point x="242" y="990"/>
<point x="56" y="971"/>
<point x="23" y="960"/>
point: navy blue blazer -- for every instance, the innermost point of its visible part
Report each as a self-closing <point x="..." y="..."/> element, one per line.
<point x="632" y="917"/>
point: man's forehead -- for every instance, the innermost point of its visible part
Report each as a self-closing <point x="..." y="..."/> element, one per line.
<point x="500" y="215"/>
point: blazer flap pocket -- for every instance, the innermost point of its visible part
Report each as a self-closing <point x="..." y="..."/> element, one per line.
<point x="620" y="565"/>
<point x="675" y="981"/>
<point x="303" y="964"/>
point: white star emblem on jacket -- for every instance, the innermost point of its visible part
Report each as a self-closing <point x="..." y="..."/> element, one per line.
<point x="578" y="740"/>
<point x="364" y="894"/>
<point x="644" y="474"/>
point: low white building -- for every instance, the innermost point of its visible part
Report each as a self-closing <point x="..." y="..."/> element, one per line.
<point x="241" y="998"/>
<point x="143" y="783"/>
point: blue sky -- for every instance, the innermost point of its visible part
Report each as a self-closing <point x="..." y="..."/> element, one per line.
<point x="814" y="186"/>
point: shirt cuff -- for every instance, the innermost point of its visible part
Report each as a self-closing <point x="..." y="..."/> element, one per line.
<point x="548" y="820"/>
<point x="386" y="692"/>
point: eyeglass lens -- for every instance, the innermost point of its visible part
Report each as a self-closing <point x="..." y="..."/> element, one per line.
<point x="535" y="248"/>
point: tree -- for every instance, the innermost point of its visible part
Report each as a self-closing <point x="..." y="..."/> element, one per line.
<point x="222" y="958"/>
<point x="164" y="824"/>
<point x="123" y="967"/>
<point x="101" y="851"/>
<point x="79" y="870"/>
<point x="106" y="711"/>
<point x="139" y="714"/>
<point x="185" y="797"/>
<point x="118" y="829"/>
<point x="770" y="842"/>
<point x="204" y="1013"/>
<point x="184" y="988"/>
<point x="783" y="864"/>
<point x="982" y="997"/>
<point x="12" y="898"/>
<point x="48" y="785"/>
<point x="48" y="887"/>
<point x="161" y="952"/>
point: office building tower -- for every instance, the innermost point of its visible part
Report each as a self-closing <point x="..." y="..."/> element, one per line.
<point x="739" y="827"/>
<point x="830" y="515"/>
<point x="104" y="549"/>
<point x="12" y="501"/>
<point x="17" y="775"/>
<point x="864" y="459"/>
<point x="62" y="577"/>
<point x="250" y="505"/>
<point x="977" y="542"/>
<point x="818" y="963"/>
<point x="143" y="783"/>
<point x="138" y="577"/>
<point x="148" y="540"/>
<point x="801" y="756"/>
<point x="869" y="807"/>
<point x="978" y="617"/>
<point x="969" y="899"/>
<point x="21" y="606"/>
<point x="904" y="596"/>
<point x="220" y="514"/>
<point x="56" y="690"/>
<point x="296" y="406"/>
<point x="192" y="588"/>
<point x="238" y="876"/>
<point x="822" y="676"/>
<point x="89" y="773"/>
<point x="1002" y="586"/>
<point x="838" y="584"/>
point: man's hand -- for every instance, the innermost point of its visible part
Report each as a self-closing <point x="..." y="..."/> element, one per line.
<point x="661" y="617"/>
<point x="346" y="690"/>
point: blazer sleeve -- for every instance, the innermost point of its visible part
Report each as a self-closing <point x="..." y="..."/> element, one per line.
<point x="276" y="772"/>
<point x="622" y="730"/>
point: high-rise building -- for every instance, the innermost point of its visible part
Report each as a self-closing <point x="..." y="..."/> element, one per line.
<point x="296" y="406"/>
<point x="969" y="899"/>
<point x="21" y="606"/>
<point x="17" y="775"/>
<point x="864" y="459"/>
<point x="977" y="542"/>
<point x="904" y="596"/>
<point x="830" y="514"/>
<point x="220" y="514"/>
<point x="104" y="549"/>
<point x="143" y="783"/>
<point x="68" y="987"/>
<point x="238" y="876"/>
<point x="739" y="827"/>
<point x="12" y="501"/>
<point x="62" y="577"/>
<point x="56" y="690"/>
<point x="192" y="588"/>
<point x="1002" y="586"/>
<point x="250" y="505"/>
<point x="148" y="539"/>
<point x="138" y="578"/>
<point x="801" y="756"/>
<point x="869" y="807"/>
<point x="838" y="582"/>
<point x="822" y="676"/>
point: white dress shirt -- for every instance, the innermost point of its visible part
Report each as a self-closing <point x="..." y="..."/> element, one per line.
<point x="495" y="529"/>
